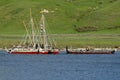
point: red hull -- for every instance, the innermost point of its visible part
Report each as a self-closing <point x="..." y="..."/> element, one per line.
<point x="55" y="52"/>
<point x="44" y="52"/>
<point x="51" y="52"/>
<point x="71" y="52"/>
<point x="23" y="52"/>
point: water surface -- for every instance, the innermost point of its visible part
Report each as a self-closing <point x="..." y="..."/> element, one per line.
<point x="60" y="67"/>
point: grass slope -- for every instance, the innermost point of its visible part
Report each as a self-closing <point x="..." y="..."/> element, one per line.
<point x="85" y="22"/>
<point x="68" y="15"/>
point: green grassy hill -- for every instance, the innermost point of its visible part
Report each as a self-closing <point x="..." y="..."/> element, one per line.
<point x="66" y="17"/>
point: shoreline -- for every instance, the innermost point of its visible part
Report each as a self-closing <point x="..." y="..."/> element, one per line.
<point x="71" y="40"/>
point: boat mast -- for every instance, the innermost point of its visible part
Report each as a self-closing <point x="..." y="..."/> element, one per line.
<point x="32" y="25"/>
<point x="27" y="32"/>
<point x="43" y="32"/>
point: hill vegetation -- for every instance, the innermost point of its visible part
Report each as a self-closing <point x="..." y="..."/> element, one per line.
<point x="77" y="23"/>
<point x="65" y="17"/>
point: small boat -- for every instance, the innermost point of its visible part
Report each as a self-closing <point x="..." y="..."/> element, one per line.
<point x="90" y="51"/>
<point x="38" y="40"/>
<point x="23" y="50"/>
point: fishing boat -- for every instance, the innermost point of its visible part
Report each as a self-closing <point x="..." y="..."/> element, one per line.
<point x="38" y="40"/>
<point x="90" y="51"/>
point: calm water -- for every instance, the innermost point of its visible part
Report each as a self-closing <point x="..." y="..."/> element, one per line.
<point x="60" y="67"/>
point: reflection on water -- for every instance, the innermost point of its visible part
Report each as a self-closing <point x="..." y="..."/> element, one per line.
<point x="60" y="67"/>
